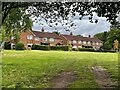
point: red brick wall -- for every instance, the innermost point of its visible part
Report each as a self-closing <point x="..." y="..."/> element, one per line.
<point x="23" y="39"/>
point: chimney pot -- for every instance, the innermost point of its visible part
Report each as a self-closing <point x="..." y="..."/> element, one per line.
<point x="42" y="29"/>
<point x="89" y="36"/>
<point x="71" y="33"/>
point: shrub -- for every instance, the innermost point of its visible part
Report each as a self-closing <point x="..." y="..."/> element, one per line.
<point x="34" y="47"/>
<point x="64" y="48"/>
<point x="44" y="47"/>
<point x="75" y="49"/>
<point x="20" y="46"/>
<point x="86" y="49"/>
<point x="47" y="47"/>
<point x="7" y="45"/>
<point x="40" y="47"/>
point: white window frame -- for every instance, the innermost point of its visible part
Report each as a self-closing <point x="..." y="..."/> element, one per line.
<point x="89" y="42"/>
<point x="36" y="38"/>
<point x="29" y="37"/>
<point x="97" y="43"/>
<point x="80" y="42"/>
<point x="84" y="42"/>
<point x="52" y="40"/>
<point x="74" y="41"/>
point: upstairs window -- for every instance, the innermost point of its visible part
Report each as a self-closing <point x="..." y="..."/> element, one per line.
<point x="97" y="43"/>
<point x="51" y="39"/>
<point x="74" y="41"/>
<point x="84" y="42"/>
<point x="29" y="37"/>
<point x="80" y="42"/>
<point x="93" y="43"/>
<point x="89" y="42"/>
<point x="44" y="39"/>
<point x="36" y="38"/>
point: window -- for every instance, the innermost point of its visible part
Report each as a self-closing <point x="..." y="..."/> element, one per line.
<point x="84" y="42"/>
<point x="44" y="39"/>
<point x="79" y="46"/>
<point x="36" y="38"/>
<point x="52" y="39"/>
<point x="97" y="43"/>
<point x="29" y="37"/>
<point x="88" y="42"/>
<point x="80" y="42"/>
<point x="74" y="41"/>
<point x="93" y="43"/>
<point x="29" y="45"/>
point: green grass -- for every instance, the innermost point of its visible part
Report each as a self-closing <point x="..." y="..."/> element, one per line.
<point x="37" y="68"/>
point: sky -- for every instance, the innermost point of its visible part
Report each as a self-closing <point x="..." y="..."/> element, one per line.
<point x="83" y="27"/>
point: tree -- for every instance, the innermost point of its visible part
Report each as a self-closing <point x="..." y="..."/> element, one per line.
<point x="109" y="37"/>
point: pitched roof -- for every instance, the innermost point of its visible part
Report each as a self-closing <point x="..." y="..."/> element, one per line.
<point x="71" y="37"/>
<point x="46" y="34"/>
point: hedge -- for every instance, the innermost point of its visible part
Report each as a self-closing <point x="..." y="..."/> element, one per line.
<point x="47" y="47"/>
<point x="64" y="48"/>
<point x="20" y="46"/>
<point x="86" y="49"/>
<point x="40" y="47"/>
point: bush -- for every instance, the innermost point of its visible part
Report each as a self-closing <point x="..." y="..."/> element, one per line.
<point x="20" y="46"/>
<point x="46" y="47"/>
<point x="40" y="47"/>
<point x="7" y="45"/>
<point x="86" y="49"/>
<point x="75" y="49"/>
<point x="64" y="48"/>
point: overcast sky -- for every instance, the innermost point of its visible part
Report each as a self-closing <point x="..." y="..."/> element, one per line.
<point x="83" y="27"/>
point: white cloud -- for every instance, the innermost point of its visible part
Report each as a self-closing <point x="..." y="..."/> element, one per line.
<point x="84" y="27"/>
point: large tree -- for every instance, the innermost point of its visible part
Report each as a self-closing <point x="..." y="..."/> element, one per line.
<point x="15" y="13"/>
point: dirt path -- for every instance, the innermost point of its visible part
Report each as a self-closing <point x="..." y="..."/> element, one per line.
<point x="102" y="77"/>
<point x="63" y="79"/>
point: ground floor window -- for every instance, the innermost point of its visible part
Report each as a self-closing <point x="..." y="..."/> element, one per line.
<point x="29" y="45"/>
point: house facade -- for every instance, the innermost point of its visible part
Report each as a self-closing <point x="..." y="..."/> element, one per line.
<point x="46" y="38"/>
<point x="39" y="38"/>
<point x="81" y="42"/>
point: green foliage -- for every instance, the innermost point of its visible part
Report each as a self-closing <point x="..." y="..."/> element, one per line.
<point x="86" y="49"/>
<point x="109" y="37"/>
<point x="64" y="48"/>
<point x="75" y="49"/>
<point x="107" y="45"/>
<point x="46" y="47"/>
<point x="20" y="46"/>
<point x="40" y="47"/>
<point x="7" y="45"/>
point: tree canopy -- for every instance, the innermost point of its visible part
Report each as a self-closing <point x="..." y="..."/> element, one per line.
<point x="109" y="37"/>
<point x="17" y="15"/>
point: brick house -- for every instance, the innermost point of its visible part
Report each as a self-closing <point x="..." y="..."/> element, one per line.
<point x="39" y="38"/>
<point x="80" y="42"/>
<point x="46" y="38"/>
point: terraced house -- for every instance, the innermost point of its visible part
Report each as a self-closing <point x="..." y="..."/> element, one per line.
<point x="81" y="42"/>
<point x="39" y="38"/>
<point x="46" y="38"/>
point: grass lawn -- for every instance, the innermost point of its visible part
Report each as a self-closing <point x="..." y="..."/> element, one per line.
<point x="36" y="69"/>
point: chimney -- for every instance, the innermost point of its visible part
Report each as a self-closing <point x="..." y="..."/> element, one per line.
<point x="42" y="29"/>
<point x="89" y="36"/>
<point x="71" y="33"/>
